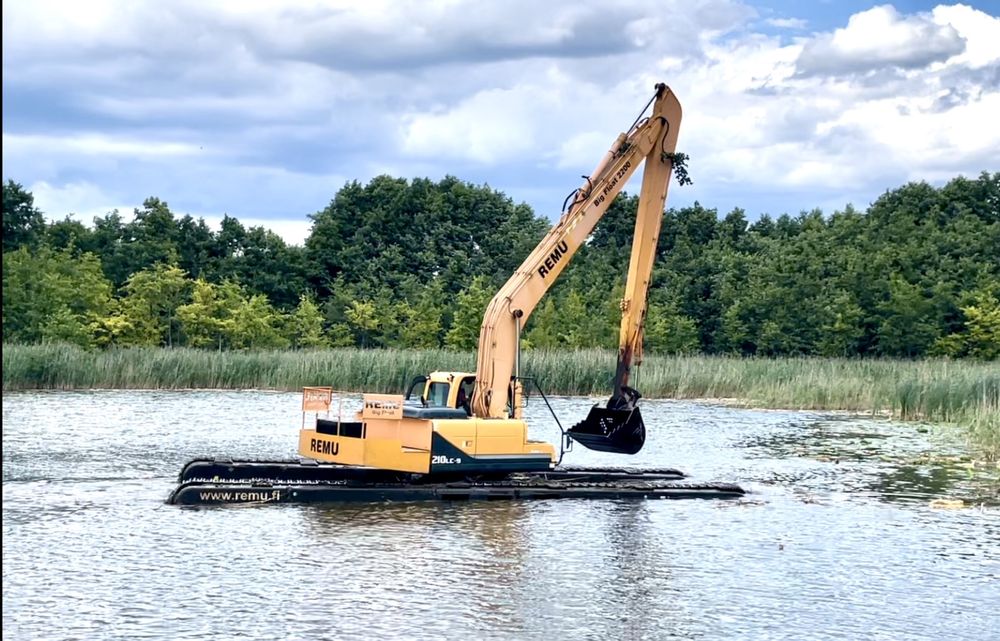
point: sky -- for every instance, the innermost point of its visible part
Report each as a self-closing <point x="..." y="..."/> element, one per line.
<point x="264" y="110"/>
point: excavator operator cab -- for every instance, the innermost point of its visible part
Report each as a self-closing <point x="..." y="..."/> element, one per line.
<point x="454" y="389"/>
<point x="445" y="389"/>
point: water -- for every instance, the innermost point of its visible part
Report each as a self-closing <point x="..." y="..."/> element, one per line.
<point x="837" y="541"/>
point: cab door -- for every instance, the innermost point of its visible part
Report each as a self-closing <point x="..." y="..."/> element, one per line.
<point x="463" y="394"/>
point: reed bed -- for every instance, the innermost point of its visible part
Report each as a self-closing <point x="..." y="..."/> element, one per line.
<point x="938" y="390"/>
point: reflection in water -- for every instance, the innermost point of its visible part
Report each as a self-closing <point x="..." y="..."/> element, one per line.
<point x="438" y="554"/>
<point x="837" y="541"/>
<point x="639" y="576"/>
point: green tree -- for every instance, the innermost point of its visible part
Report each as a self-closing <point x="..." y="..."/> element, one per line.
<point x="420" y="325"/>
<point x="256" y="325"/>
<point x="259" y="260"/>
<point x="667" y="332"/>
<point x="108" y="242"/>
<point x="23" y="223"/>
<point x="152" y="297"/>
<point x="380" y="235"/>
<point x="195" y="245"/>
<point x="69" y="234"/>
<point x="52" y="296"/>
<point x="565" y="320"/>
<point x="209" y="319"/>
<point x="577" y="321"/>
<point x="980" y="337"/>
<point x="984" y="326"/>
<point x="908" y="327"/>
<point x="389" y="259"/>
<point x="151" y="238"/>
<point x="335" y="307"/>
<point x="364" y="320"/>
<point x="113" y="328"/>
<point x="306" y="325"/>
<point x="842" y="329"/>
<point x="470" y="307"/>
<point x="543" y="332"/>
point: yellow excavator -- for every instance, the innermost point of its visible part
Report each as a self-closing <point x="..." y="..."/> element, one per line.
<point x="462" y="435"/>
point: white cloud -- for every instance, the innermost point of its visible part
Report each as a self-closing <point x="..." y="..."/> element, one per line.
<point x="549" y="120"/>
<point x="787" y="23"/>
<point x="340" y="34"/>
<point x="95" y="144"/>
<point x="80" y="200"/>
<point x="881" y="37"/>
<point x="490" y="126"/>
<point x="980" y="30"/>
<point x="754" y="126"/>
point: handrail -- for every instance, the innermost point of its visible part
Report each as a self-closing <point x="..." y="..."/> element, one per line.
<point x="565" y="443"/>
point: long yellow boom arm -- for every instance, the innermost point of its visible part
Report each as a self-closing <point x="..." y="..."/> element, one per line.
<point x="653" y="140"/>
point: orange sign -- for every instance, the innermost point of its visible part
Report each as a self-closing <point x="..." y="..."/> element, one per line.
<point x="316" y="399"/>
<point x="385" y="406"/>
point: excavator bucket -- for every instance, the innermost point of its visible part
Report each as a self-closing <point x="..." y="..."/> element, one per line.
<point x="608" y="430"/>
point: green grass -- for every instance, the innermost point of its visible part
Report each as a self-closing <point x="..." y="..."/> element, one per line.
<point x="948" y="391"/>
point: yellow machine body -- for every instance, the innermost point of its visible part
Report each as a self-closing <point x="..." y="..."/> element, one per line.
<point x="432" y="434"/>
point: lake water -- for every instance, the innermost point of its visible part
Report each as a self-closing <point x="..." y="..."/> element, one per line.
<point x="837" y="540"/>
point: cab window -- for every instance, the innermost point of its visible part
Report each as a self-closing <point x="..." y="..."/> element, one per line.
<point x="437" y="395"/>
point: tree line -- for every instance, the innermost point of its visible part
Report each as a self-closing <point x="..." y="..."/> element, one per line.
<point x="413" y="263"/>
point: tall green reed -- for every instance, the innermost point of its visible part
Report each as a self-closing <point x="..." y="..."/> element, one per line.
<point x="965" y="392"/>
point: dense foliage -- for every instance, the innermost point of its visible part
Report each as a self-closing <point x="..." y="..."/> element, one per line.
<point x="399" y="263"/>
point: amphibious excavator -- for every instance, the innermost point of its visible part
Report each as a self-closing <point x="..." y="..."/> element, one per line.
<point x="458" y="435"/>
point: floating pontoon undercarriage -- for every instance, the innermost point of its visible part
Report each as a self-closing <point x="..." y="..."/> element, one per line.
<point x="207" y="481"/>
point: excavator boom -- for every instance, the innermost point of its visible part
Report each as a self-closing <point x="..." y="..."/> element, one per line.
<point x="652" y="140"/>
